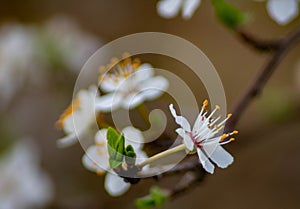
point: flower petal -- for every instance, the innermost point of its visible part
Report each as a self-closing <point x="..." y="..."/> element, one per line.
<point x="110" y="84"/>
<point x="154" y="87"/>
<point x="144" y="72"/>
<point x="283" y="11"/>
<point x="186" y="138"/>
<point x="168" y="8"/>
<point x="115" y="185"/>
<point x="100" y="137"/>
<point x="207" y="165"/>
<point x="96" y="158"/>
<point x="189" y="7"/>
<point x="108" y="102"/>
<point x="221" y="157"/>
<point x="133" y="137"/>
<point x="216" y="153"/>
<point x="67" y="141"/>
<point x="132" y="101"/>
<point x="180" y="120"/>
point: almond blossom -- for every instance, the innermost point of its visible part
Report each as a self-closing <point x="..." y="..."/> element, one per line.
<point x="96" y="158"/>
<point x="77" y="119"/>
<point x="128" y="84"/>
<point x="171" y="8"/>
<point x="202" y="138"/>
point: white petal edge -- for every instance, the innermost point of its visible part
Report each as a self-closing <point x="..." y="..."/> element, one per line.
<point x="168" y="8"/>
<point x="189" y="8"/>
<point x="154" y="87"/>
<point x="144" y="72"/>
<point x="108" y="102"/>
<point x="282" y="11"/>
<point x="207" y="165"/>
<point x="180" y="120"/>
<point x="221" y="157"/>
<point x="132" y="101"/>
<point x="67" y="141"/>
<point x="115" y="185"/>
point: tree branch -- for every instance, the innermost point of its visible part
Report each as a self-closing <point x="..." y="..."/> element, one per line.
<point x="259" y="82"/>
<point x="194" y="172"/>
<point x="258" y="44"/>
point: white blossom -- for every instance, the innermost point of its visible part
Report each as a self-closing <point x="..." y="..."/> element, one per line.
<point x="23" y="185"/>
<point x="72" y="45"/>
<point x="96" y="158"/>
<point x="77" y="119"/>
<point x="17" y="58"/>
<point x="171" y="8"/>
<point x="282" y="11"/>
<point x="128" y="84"/>
<point x="202" y="138"/>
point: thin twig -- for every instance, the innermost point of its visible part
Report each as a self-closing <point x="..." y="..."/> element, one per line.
<point x="258" y="44"/>
<point x="264" y="75"/>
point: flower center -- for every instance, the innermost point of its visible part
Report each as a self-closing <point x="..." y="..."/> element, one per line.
<point x="196" y="143"/>
<point x="74" y="106"/>
<point x="118" y="70"/>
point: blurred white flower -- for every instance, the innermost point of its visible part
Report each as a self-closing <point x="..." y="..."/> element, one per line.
<point x="77" y="119"/>
<point x="29" y="52"/>
<point x="129" y="84"/>
<point x="17" y="58"/>
<point x="66" y="41"/>
<point x="23" y="185"/>
<point x="282" y="11"/>
<point x="202" y="138"/>
<point x="171" y="8"/>
<point x="96" y="158"/>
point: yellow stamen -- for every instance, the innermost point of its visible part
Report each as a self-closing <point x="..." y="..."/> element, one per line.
<point x="136" y="64"/>
<point x="217" y="107"/>
<point x="235" y="132"/>
<point x="232" y="139"/>
<point x="100" y="172"/>
<point x="223" y="137"/>
<point x="69" y="111"/>
<point x="229" y="115"/>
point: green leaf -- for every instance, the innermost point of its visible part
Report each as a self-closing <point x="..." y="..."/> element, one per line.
<point x="129" y="151"/>
<point x="130" y="155"/>
<point x="156" y="198"/>
<point x="116" y="147"/>
<point x="228" y="14"/>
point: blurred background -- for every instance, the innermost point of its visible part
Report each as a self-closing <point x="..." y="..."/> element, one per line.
<point x="43" y="45"/>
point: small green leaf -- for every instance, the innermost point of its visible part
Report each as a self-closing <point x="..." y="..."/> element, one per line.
<point x="129" y="151"/>
<point x="156" y="198"/>
<point x="116" y="147"/>
<point x="130" y="155"/>
<point x="228" y="14"/>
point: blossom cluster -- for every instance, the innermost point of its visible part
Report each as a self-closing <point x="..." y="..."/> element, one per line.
<point x="127" y="84"/>
<point x="124" y="84"/>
